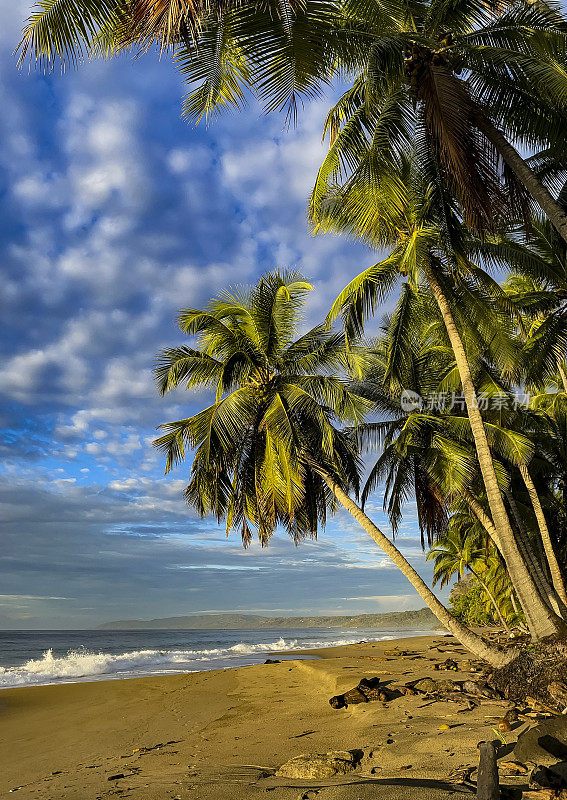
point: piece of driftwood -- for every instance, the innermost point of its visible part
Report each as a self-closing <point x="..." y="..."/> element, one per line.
<point x="487" y="785"/>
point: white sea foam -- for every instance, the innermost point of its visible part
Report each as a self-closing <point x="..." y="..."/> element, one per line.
<point x="86" y="665"/>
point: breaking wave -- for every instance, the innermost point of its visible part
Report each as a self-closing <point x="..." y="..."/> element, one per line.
<point x="83" y="664"/>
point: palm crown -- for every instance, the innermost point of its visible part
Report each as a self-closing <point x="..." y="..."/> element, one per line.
<point x="262" y="444"/>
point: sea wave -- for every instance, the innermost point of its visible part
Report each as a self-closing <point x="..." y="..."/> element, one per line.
<point x="83" y="664"/>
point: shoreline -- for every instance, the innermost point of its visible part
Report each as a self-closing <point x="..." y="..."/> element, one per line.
<point x="224" y="733"/>
<point x="75" y="662"/>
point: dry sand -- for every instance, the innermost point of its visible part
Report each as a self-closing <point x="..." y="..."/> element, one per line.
<point x="222" y="734"/>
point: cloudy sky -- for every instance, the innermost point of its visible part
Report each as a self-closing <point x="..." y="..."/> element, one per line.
<point x="115" y="214"/>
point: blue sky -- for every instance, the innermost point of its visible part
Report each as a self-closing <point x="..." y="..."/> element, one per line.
<point x="114" y="214"/>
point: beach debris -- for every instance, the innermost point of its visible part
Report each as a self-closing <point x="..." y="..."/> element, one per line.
<point x="470" y="665"/>
<point x="558" y="692"/>
<point x="116" y="777"/>
<point x="158" y="746"/>
<point x="503" y="725"/>
<point x="447" y="664"/>
<point x="366" y="690"/>
<point x="487" y="783"/>
<point x="396" y="652"/>
<point x="272" y="661"/>
<point x="320" y="765"/>
<point x="310" y="794"/>
<point x="545" y="794"/>
<point x="480" y="688"/>
<point x="444" y="727"/>
<point x="512" y="768"/>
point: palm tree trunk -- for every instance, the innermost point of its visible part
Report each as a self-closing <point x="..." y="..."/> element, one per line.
<point x="554" y="568"/>
<point x="492" y="599"/>
<point x="563" y="375"/>
<point x="524" y="548"/>
<point x="530" y="556"/>
<point x="542" y="621"/>
<point x="470" y="640"/>
<point x="535" y="565"/>
<point x="526" y="176"/>
<point x="517" y="611"/>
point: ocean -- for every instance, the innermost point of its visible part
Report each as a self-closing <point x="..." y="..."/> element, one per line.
<point x="33" y="658"/>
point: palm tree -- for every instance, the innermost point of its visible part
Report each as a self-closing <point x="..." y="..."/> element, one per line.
<point x="476" y="77"/>
<point x="460" y="551"/>
<point x="428" y="452"/>
<point x="268" y="451"/>
<point x="407" y="210"/>
<point x="537" y="289"/>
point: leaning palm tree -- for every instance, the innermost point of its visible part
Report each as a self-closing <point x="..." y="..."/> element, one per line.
<point x="268" y="451"/>
<point x="409" y="211"/>
<point x="478" y="76"/>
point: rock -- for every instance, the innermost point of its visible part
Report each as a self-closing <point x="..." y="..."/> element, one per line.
<point x="310" y="794"/>
<point x="368" y="689"/>
<point x="547" y="778"/>
<point x="428" y="685"/>
<point x="480" y="689"/>
<point x="116" y="777"/>
<point x="354" y="696"/>
<point x="319" y="765"/>
<point x="444" y="727"/>
<point x="272" y="661"/>
<point x="545" y="744"/>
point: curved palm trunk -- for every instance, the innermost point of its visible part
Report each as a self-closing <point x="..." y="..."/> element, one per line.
<point x="563" y="375"/>
<point x="492" y="599"/>
<point x="526" y="176"/>
<point x="554" y="568"/>
<point x="474" y="643"/>
<point x="542" y="621"/>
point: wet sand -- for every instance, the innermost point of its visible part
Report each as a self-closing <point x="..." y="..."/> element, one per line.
<point x="222" y="734"/>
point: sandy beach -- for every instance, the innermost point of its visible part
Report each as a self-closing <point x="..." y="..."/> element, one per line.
<point x="223" y="734"/>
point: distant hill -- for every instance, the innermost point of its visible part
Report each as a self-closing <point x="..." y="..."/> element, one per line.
<point x="421" y="619"/>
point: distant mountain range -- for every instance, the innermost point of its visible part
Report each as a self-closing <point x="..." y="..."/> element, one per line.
<point x="422" y="619"/>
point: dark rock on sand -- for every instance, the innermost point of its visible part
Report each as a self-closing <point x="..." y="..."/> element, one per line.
<point x="272" y="661"/>
<point x="546" y="744"/>
<point x="545" y="778"/>
<point x="367" y="689"/>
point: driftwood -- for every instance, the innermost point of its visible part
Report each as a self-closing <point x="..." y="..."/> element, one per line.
<point x="487" y="784"/>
